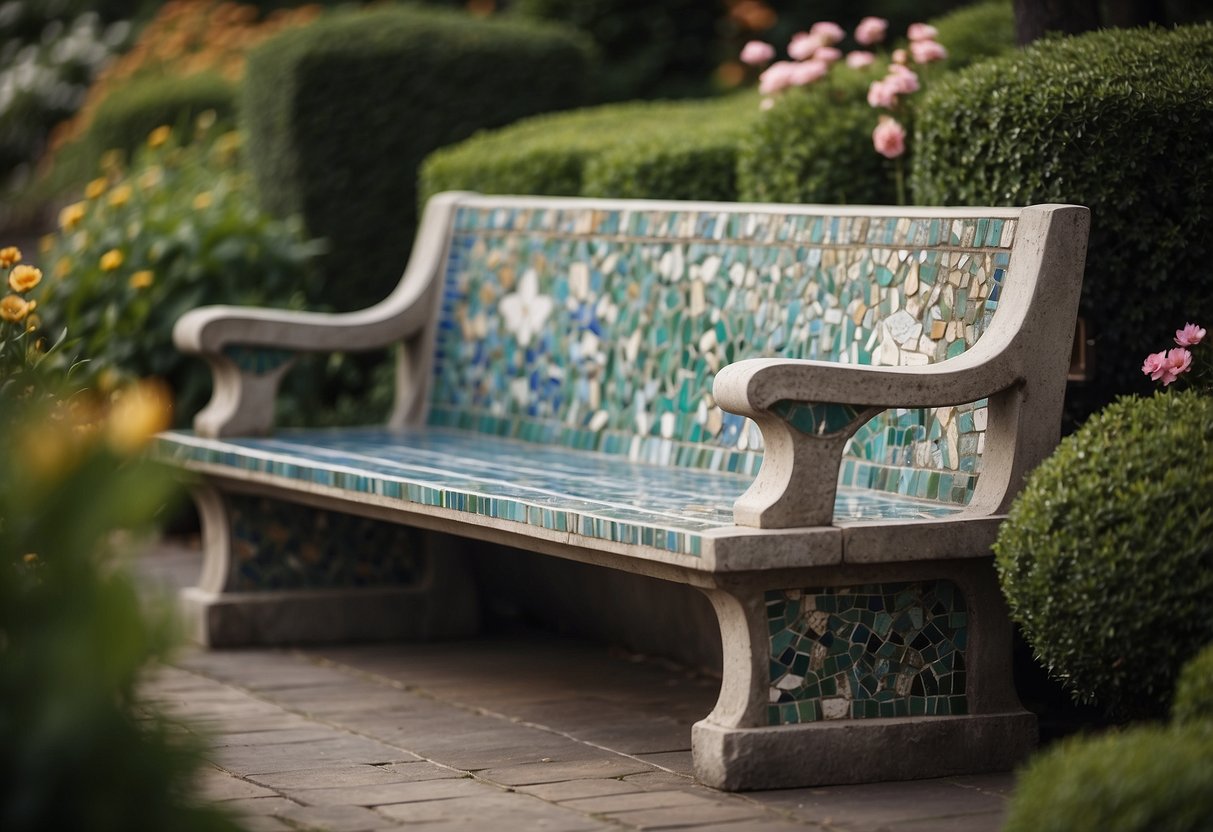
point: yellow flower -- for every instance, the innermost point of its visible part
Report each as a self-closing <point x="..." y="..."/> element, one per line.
<point x="120" y="196"/>
<point x="150" y="178"/>
<point x="14" y="308"/>
<point x="24" y="278"/>
<point x="138" y="414"/>
<point x="30" y="558"/>
<point x="159" y="136"/>
<point x="9" y="256"/>
<point x="46" y="243"/>
<point x="205" y="120"/>
<point x="111" y="160"/>
<point x="142" y="279"/>
<point x="63" y="268"/>
<point x="32" y="323"/>
<point x="111" y="260"/>
<point x="70" y="216"/>
<point x="96" y="188"/>
<point x="203" y="201"/>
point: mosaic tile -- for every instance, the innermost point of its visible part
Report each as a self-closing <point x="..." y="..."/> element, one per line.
<point x="864" y="652"/>
<point x="603" y="329"/>
<point x="278" y="545"/>
<point x="596" y="495"/>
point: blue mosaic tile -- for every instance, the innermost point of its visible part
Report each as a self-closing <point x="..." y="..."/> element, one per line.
<point x="596" y="495"/>
<point x="603" y="329"/>
<point x="866" y="652"/>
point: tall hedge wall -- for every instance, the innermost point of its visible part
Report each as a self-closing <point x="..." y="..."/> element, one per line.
<point x="1117" y="120"/>
<point x="341" y="113"/>
<point x="679" y="150"/>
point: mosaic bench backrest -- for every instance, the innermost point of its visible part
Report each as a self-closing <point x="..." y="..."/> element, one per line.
<point x="600" y="326"/>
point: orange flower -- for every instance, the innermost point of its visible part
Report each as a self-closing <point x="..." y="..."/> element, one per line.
<point x="142" y="279"/>
<point x="111" y="260"/>
<point x="14" y="308"/>
<point x="120" y="196"/>
<point x="95" y="188"/>
<point x="138" y="414"/>
<point x="24" y="278"/>
<point x="70" y="216"/>
<point x="159" y="136"/>
<point x="9" y="256"/>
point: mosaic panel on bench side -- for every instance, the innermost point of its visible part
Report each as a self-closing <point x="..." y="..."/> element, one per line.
<point x="604" y="329"/>
<point x="879" y="650"/>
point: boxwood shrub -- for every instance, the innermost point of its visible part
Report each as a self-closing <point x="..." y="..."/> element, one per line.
<point x="340" y="114"/>
<point x="128" y="114"/>
<point x="656" y="150"/>
<point x="1142" y="780"/>
<point x="1106" y="558"/>
<point x="1117" y="120"/>
<point x="976" y="33"/>
<point x="1194" y="691"/>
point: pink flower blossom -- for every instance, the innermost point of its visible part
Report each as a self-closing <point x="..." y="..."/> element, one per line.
<point x="775" y="77"/>
<point x="922" y="31"/>
<point x="1178" y="362"/>
<point x="803" y="45"/>
<point x="871" y="30"/>
<point x="889" y="138"/>
<point x="831" y="33"/>
<point x="900" y="56"/>
<point x="1155" y="365"/>
<point x="882" y="94"/>
<point x="1190" y="335"/>
<point x="829" y="54"/>
<point x="766" y="104"/>
<point x="926" y="51"/>
<point x="807" y="72"/>
<point x="757" y="53"/>
<point x="859" y="59"/>
<point x="902" y="80"/>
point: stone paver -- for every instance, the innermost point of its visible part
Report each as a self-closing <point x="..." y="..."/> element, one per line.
<point x="526" y="732"/>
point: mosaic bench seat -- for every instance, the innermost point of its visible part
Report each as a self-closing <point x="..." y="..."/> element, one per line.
<point x="815" y="415"/>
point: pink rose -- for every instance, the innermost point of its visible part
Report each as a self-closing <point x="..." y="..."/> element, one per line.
<point x="871" y="30"/>
<point x="859" y="59"/>
<point x="1190" y="335"/>
<point x="926" y="51"/>
<point x="807" y="72"/>
<point x="1155" y="365"/>
<point x="829" y="32"/>
<point x="899" y="56"/>
<point x="902" y="80"/>
<point x="803" y="45"/>
<point x="1178" y="362"/>
<point x="775" y="77"/>
<point x="889" y="138"/>
<point x="828" y="54"/>
<point x="922" y="31"/>
<point x="882" y="94"/>
<point x="757" y="53"/>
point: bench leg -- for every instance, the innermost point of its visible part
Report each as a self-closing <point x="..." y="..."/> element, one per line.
<point x="876" y="674"/>
<point x="277" y="573"/>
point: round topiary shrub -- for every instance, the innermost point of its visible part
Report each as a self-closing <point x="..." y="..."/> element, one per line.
<point x="1106" y="558"/>
<point x="1119" y="121"/>
<point x="976" y="32"/>
<point x="1194" y="691"/>
<point x="1144" y="780"/>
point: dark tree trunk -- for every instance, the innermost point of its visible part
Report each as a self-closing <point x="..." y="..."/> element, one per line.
<point x="1127" y="14"/>
<point x="1033" y="18"/>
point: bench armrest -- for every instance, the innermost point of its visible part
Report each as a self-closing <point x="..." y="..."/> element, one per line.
<point x="249" y="350"/>
<point x="807" y="410"/>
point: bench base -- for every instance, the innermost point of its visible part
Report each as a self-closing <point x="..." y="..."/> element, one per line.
<point x="860" y="751"/>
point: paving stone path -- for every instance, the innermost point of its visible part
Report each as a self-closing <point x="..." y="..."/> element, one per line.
<point x="516" y="732"/>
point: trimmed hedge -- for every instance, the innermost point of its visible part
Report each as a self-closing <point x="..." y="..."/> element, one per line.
<point x="1119" y="121"/>
<point x="1194" y="691"/>
<point x="127" y="115"/>
<point x="1143" y="780"/>
<point x="340" y="114"/>
<point x="815" y="145"/>
<point x="1106" y="558"/>
<point x="655" y="150"/>
<point x="977" y="33"/>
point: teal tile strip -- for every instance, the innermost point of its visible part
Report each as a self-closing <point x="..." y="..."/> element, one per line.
<point x="863" y="652"/>
<point x="258" y="360"/>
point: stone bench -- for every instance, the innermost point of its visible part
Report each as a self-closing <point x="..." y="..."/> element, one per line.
<point x="816" y="415"/>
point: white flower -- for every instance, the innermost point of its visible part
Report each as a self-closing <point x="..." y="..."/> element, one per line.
<point x="525" y="310"/>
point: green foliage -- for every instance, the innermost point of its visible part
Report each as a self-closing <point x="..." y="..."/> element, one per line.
<point x="976" y="33"/>
<point x="178" y="230"/>
<point x="654" y="150"/>
<point x="1106" y="558"/>
<point x="1194" y="690"/>
<point x="1115" y="120"/>
<point x="128" y="114"/>
<point x="649" y="50"/>
<point x="340" y="114"/>
<point x="78" y="747"/>
<point x="815" y="145"/>
<point x="1143" y="780"/>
